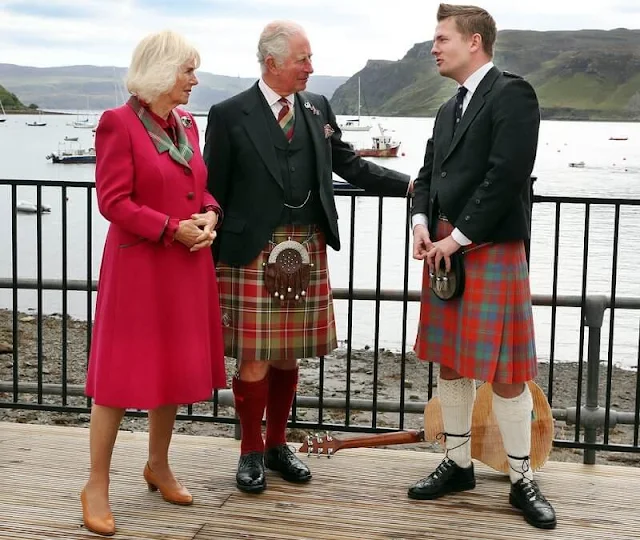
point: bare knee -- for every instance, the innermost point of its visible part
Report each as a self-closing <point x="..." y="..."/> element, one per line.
<point x="286" y="365"/>
<point x="449" y="374"/>
<point x="252" y="371"/>
<point x="508" y="391"/>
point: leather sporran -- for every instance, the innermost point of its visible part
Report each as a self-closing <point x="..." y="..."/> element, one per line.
<point x="448" y="285"/>
<point x="287" y="272"/>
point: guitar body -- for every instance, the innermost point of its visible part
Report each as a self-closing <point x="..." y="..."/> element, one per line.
<point x="486" y="441"/>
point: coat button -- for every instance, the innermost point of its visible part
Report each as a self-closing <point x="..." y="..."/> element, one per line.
<point x="477" y="201"/>
<point x="443" y="174"/>
<point x="485" y="183"/>
<point x="187" y="171"/>
<point x="292" y="169"/>
<point x="190" y="195"/>
<point x="467" y="218"/>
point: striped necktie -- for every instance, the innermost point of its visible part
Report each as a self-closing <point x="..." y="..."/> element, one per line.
<point x="285" y="118"/>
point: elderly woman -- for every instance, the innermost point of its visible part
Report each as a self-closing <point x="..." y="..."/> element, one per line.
<point x="157" y="341"/>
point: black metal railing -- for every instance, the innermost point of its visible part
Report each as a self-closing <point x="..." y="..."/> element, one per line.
<point x="329" y="404"/>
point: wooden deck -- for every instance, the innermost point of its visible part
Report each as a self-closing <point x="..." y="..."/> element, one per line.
<point x="356" y="495"/>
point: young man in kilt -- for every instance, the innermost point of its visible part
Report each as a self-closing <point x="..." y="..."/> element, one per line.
<point x="271" y="151"/>
<point x="473" y="194"/>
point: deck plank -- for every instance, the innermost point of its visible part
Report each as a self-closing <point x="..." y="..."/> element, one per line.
<point x="359" y="494"/>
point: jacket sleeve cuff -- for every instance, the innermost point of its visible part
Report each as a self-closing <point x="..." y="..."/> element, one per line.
<point x="217" y="210"/>
<point x="169" y="233"/>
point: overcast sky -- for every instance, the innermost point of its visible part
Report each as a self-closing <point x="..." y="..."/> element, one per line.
<point x="343" y="33"/>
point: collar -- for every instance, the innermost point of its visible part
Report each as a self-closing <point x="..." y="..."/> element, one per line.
<point x="164" y="124"/>
<point x="272" y="96"/>
<point x="180" y="153"/>
<point x="472" y="82"/>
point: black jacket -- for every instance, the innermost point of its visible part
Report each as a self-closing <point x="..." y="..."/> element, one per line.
<point x="245" y="179"/>
<point x="479" y="176"/>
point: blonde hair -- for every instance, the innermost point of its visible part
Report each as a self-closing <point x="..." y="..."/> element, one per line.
<point x="156" y="62"/>
<point x="471" y="20"/>
<point x="274" y="41"/>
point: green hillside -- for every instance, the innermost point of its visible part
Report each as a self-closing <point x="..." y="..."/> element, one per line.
<point x="586" y="74"/>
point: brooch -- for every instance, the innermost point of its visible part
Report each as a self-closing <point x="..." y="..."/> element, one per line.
<point x="311" y="107"/>
<point x="186" y="121"/>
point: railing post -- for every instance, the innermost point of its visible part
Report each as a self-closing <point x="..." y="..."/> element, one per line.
<point x="594" y="315"/>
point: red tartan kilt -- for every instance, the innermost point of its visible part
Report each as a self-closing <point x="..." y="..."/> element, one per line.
<point x="488" y="333"/>
<point x="257" y="326"/>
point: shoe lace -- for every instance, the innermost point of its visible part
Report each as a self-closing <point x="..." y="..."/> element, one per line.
<point x="444" y="466"/>
<point x="526" y="466"/>
<point x="442" y="439"/>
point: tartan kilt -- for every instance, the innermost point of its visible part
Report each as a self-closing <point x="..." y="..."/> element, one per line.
<point x="487" y="334"/>
<point x="257" y="326"/>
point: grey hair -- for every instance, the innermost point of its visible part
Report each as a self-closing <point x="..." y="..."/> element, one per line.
<point x="156" y="62"/>
<point x="274" y="41"/>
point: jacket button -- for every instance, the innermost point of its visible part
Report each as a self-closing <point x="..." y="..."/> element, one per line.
<point x="443" y="174"/>
<point x="187" y="171"/>
<point x="467" y="218"/>
<point x="190" y="195"/>
<point x="485" y="183"/>
<point x="477" y="201"/>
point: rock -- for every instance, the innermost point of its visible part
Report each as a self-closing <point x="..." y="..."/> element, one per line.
<point x="408" y="384"/>
<point x="5" y="348"/>
<point x="27" y="319"/>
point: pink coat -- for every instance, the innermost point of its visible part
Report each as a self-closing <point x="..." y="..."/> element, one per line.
<point x="157" y="337"/>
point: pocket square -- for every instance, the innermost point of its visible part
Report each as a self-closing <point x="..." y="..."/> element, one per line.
<point x="328" y="131"/>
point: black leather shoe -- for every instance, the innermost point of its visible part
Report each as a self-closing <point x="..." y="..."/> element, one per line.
<point x="282" y="459"/>
<point x="250" y="476"/>
<point x="526" y="496"/>
<point x="447" y="478"/>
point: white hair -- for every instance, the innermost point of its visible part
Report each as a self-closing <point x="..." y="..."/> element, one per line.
<point x="274" y="41"/>
<point x="156" y="62"/>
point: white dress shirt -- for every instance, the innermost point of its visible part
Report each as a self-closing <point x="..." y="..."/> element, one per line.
<point x="273" y="98"/>
<point x="471" y="84"/>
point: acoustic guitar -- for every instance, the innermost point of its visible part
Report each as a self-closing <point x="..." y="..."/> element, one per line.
<point x="486" y="441"/>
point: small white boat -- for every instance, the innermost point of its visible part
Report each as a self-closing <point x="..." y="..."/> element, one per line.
<point x="353" y="124"/>
<point x="577" y="164"/>
<point x="27" y="207"/>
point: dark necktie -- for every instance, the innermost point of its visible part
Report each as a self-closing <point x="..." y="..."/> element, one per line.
<point x="462" y="91"/>
<point x="285" y="118"/>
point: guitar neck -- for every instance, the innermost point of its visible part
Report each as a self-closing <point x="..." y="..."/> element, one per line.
<point x="401" y="437"/>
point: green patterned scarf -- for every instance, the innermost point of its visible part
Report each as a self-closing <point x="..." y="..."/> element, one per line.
<point x="181" y="154"/>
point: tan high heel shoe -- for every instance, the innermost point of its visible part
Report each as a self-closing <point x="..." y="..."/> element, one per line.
<point x="104" y="525"/>
<point x="179" y="496"/>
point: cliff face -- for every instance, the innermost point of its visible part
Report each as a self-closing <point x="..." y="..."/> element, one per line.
<point x="586" y="74"/>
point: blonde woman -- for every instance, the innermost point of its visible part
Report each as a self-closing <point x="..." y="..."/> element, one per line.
<point x="157" y="340"/>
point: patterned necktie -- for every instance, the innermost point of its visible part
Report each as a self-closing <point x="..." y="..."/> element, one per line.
<point x="285" y="118"/>
<point x="462" y="91"/>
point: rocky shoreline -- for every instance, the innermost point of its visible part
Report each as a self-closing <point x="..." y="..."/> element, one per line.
<point x="388" y="369"/>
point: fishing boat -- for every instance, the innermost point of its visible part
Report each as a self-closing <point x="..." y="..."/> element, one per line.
<point x="72" y="152"/>
<point x="577" y="164"/>
<point x="618" y="138"/>
<point x="382" y="145"/>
